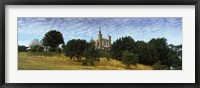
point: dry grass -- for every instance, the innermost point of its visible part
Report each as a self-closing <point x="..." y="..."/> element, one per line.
<point x="120" y="66"/>
<point x="26" y="61"/>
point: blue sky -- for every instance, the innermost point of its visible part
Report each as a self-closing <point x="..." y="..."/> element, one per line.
<point x="86" y="28"/>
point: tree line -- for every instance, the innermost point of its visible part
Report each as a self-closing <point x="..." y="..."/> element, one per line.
<point x="156" y="52"/>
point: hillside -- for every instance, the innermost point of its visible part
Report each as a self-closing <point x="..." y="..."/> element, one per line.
<point x="36" y="61"/>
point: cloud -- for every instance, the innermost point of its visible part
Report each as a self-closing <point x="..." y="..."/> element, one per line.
<point x="87" y="28"/>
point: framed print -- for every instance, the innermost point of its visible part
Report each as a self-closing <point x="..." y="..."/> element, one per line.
<point x="95" y="43"/>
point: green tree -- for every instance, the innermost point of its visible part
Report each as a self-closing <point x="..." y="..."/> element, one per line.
<point x="161" y="47"/>
<point x="129" y="58"/>
<point x="175" y="56"/>
<point x="59" y="50"/>
<point x="104" y="53"/>
<point x="39" y="49"/>
<point x="147" y="54"/>
<point x="53" y="39"/>
<point x="22" y="48"/>
<point x="177" y="49"/>
<point x="91" y="54"/>
<point x="75" y="48"/>
<point x="140" y="46"/>
<point x="120" y="45"/>
<point x="35" y="48"/>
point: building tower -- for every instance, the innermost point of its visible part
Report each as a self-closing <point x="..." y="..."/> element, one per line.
<point x="100" y="39"/>
<point x="109" y="43"/>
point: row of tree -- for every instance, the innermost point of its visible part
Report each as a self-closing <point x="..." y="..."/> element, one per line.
<point x="76" y="48"/>
<point x="148" y="53"/>
<point x="52" y="39"/>
<point x="156" y="52"/>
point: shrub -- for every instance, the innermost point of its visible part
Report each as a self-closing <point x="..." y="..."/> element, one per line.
<point x="90" y="54"/>
<point x="129" y="58"/>
<point x="22" y="48"/>
<point x="34" y="48"/>
<point x="158" y="66"/>
<point x="104" y="53"/>
<point x="111" y="62"/>
<point x="51" y="49"/>
<point x="178" y="67"/>
<point x="59" y="50"/>
<point x="141" y="67"/>
<point x="40" y="49"/>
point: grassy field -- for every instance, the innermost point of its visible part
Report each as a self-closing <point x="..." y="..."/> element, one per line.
<point x="29" y="61"/>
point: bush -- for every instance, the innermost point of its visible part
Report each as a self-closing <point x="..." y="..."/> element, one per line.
<point x="59" y="50"/>
<point x="178" y="67"/>
<point x="141" y="67"/>
<point x="158" y="66"/>
<point x="22" y="48"/>
<point x="129" y="58"/>
<point x="40" y="49"/>
<point x="51" y="49"/>
<point x="90" y="54"/>
<point x="36" y="48"/>
<point x="104" y="53"/>
<point x="87" y="62"/>
<point x="111" y="62"/>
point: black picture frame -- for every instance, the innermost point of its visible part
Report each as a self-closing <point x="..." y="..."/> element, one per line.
<point x="99" y="2"/>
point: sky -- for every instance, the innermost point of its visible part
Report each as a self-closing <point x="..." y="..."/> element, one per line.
<point x="87" y="28"/>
